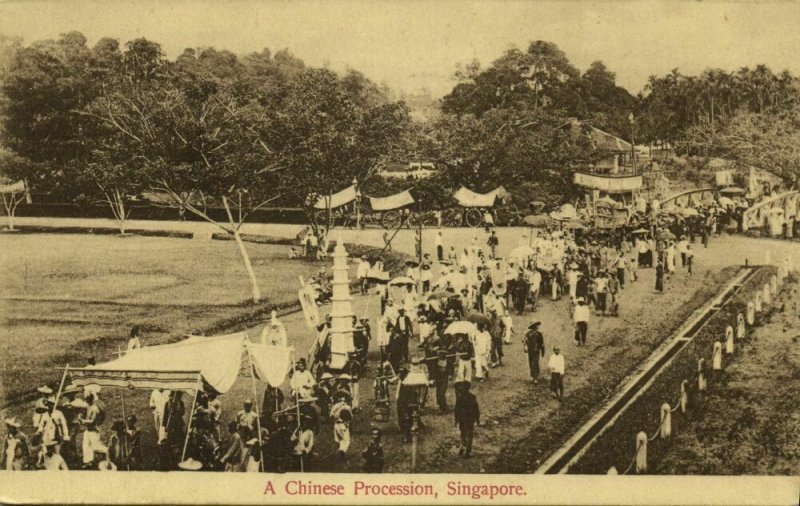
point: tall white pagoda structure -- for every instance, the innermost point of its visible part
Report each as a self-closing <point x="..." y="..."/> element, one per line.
<point x="341" y="309"/>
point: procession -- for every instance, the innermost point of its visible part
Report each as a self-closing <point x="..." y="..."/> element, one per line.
<point x="444" y="326"/>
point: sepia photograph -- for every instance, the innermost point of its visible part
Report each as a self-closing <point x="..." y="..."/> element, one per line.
<point x="400" y="252"/>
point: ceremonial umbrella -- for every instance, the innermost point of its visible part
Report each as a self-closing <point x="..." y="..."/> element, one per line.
<point x="666" y="235"/>
<point x="460" y="327"/>
<point x="477" y="318"/>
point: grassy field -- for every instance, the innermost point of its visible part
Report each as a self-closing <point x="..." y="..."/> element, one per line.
<point x="67" y="297"/>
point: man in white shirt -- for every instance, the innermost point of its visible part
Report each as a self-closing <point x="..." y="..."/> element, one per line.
<point x="302" y="382"/>
<point x="536" y="284"/>
<point x="483" y="346"/>
<point x="581" y="318"/>
<point x="158" y="401"/>
<point x="556" y="366"/>
<point x="362" y="271"/>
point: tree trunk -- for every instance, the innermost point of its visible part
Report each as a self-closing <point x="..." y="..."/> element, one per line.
<point x="245" y="257"/>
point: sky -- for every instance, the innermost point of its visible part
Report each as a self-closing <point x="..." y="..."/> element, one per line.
<point x="410" y="45"/>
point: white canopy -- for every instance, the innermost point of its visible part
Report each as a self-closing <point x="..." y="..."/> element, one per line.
<point x="469" y="198"/>
<point x="337" y="199"/>
<point x="215" y="360"/>
<point x="395" y="201"/>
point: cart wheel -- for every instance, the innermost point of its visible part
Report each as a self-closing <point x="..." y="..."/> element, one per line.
<point x="391" y="219"/>
<point x="473" y="218"/>
<point x="322" y="218"/>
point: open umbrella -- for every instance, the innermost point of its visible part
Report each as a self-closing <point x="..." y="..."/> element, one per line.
<point x="402" y="281"/>
<point x="456" y="280"/>
<point x="666" y="235"/>
<point x="461" y="327"/>
<point x="732" y="190"/>
<point x="477" y="318"/>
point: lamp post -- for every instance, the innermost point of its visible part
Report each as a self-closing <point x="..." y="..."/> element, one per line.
<point x="633" y="144"/>
<point x="358" y="204"/>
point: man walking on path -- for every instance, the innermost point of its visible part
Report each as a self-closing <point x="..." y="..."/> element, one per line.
<point x="493" y="243"/>
<point x="581" y="318"/>
<point x="556" y="366"/>
<point x="439" y="246"/>
<point x="466" y="415"/>
<point x="534" y="347"/>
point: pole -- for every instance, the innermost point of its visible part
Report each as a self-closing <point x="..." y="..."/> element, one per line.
<point x="60" y="388"/>
<point x="258" y="415"/>
<point x="297" y="403"/>
<point x="191" y="416"/>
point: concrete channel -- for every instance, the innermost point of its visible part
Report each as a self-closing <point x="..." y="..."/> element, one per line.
<point x="639" y="381"/>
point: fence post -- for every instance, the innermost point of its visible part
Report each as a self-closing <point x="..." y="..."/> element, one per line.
<point x="684" y="399"/>
<point x="666" y="421"/>
<point x="740" y="328"/>
<point x="773" y="284"/>
<point x="641" y="453"/>
<point x="716" y="357"/>
<point x="767" y="296"/>
<point x="751" y="313"/>
<point x="702" y="384"/>
<point x="757" y="301"/>
<point x="729" y="340"/>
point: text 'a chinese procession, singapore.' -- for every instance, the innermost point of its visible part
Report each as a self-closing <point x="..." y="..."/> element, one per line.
<point x="501" y="242"/>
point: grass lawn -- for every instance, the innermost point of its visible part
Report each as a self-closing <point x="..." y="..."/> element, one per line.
<point x="66" y="297"/>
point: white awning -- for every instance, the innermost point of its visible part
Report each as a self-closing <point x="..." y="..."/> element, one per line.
<point x="177" y="366"/>
<point x="337" y="199"/>
<point x="395" y="201"/>
<point x="469" y="198"/>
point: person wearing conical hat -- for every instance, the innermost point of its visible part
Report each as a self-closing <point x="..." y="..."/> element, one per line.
<point x="15" y="447"/>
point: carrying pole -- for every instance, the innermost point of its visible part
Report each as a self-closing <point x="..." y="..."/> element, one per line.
<point x="297" y="403"/>
<point x="191" y="416"/>
<point x="258" y="415"/>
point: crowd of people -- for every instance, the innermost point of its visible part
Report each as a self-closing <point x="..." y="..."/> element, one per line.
<point x="447" y="326"/>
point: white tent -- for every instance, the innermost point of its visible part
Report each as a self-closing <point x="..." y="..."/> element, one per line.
<point x="215" y="361"/>
<point x="395" y="201"/>
<point x="187" y="365"/>
<point x="337" y="199"/>
<point x="469" y="198"/>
